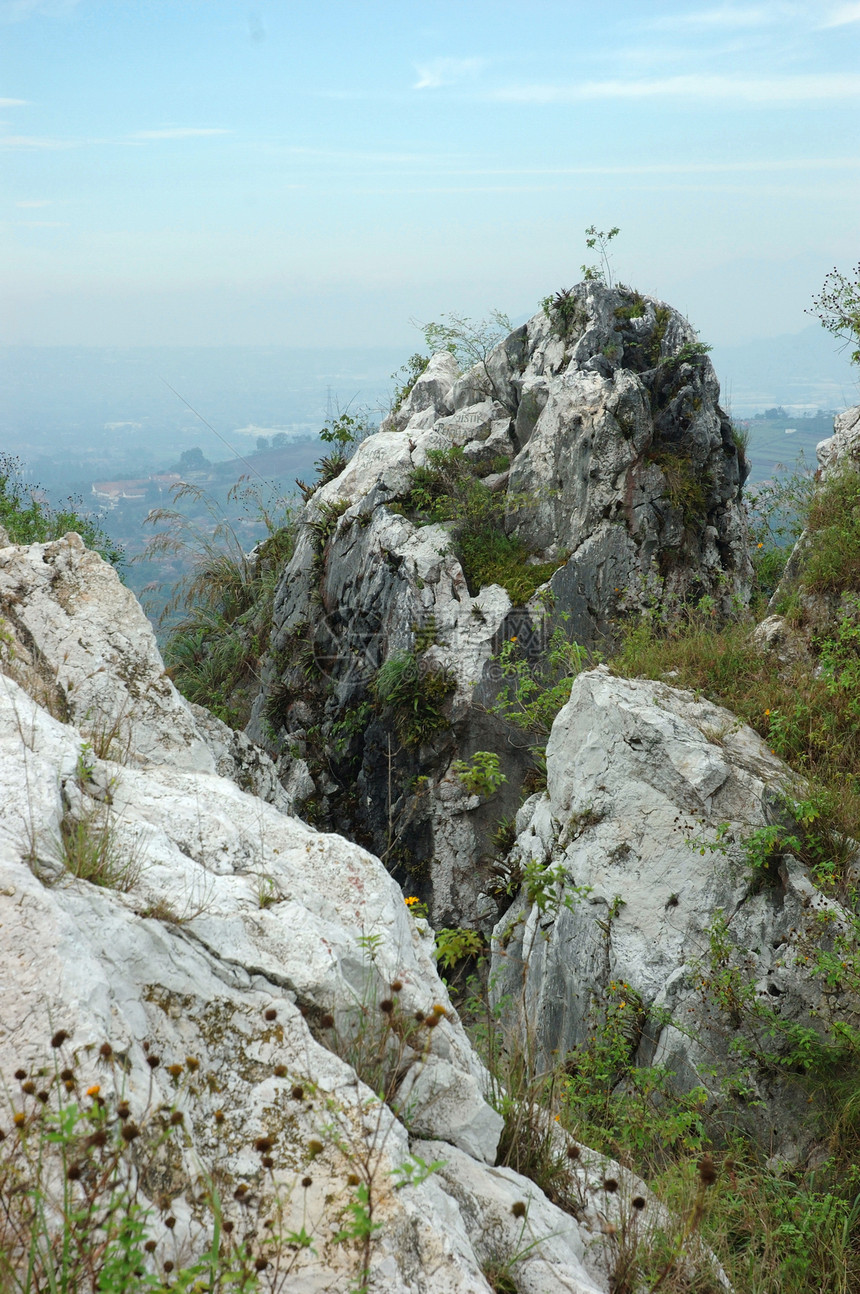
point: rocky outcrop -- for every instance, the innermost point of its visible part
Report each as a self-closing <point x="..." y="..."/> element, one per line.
<point x="663" y="922"/>
<point x="205" y="958"/>
<point x="597" y="450"/>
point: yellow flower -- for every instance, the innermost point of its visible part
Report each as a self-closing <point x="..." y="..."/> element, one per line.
<point x="759" y="545"/>
<point x="410" y="901"/>
<point x="514" y="639"/>
<point x="767" y="712"/>
<point x="94" y="1090"/>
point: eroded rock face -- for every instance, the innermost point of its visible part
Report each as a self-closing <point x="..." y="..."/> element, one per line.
<point x="225" y="932"/>
<point x="598" y="429"/>
<point x="651" y="794"/>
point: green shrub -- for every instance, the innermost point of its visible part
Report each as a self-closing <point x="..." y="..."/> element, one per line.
<point x="449" y="488"/>
<point x="482" y="776"/>
<point x="213" y="650"/>
<point x="535" y="690"/>
<point x="831" y="562"/>
<point x="406" y="376"/>
<point x="27" y="519"/>
<point x="685" y="488"/>
<point x="413" y="693"/>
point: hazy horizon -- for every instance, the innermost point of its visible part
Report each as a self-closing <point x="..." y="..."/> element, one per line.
<point x="219" y="174"/>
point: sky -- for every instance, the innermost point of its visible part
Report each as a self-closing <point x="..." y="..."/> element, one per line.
<point x="328" y="172"/>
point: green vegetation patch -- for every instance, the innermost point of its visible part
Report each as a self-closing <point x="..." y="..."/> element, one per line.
<point x="412" y="692"/>
<point x="832" y="560"/>
<point x="450" y="489"/>
<point x="28" y="519"/>
<point x="222" y="611"/>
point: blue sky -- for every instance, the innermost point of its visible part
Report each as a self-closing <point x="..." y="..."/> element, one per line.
<point x="288" y="172"/>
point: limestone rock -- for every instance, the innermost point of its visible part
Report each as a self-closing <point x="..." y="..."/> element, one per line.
<point x="844" y="445"/>
<point x="622" y="474"/>
<point x="214" y="943"/>
<point x="651" y="794"/>
<point x="77" y="639"/>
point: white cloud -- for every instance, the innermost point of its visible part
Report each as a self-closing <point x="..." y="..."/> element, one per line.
<point x="13" y="103"/>
<point x="445" y="71"/>
<point x="776" y="89"/>
<point x="180" y="132"/>
<point x="727" y="16"/>
<point x="842" y="15"/>
<point x="43" y="224"/>
<point x="34" y="141"/>
<point x="18" y="10"/>
<point x="34" y="202"/>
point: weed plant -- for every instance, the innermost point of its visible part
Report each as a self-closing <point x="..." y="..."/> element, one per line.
<point x="225" y="604"/>
<point x="78" y="1162"/>
<point x="413" y="692"/>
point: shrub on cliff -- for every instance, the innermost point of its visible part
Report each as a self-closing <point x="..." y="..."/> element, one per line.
<point x="29" y="519"/>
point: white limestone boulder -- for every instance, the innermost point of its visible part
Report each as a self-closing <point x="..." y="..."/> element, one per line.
<point x="651" y="794"/>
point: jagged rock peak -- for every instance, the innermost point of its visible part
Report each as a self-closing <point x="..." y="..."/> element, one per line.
<point x="581" y="472"/>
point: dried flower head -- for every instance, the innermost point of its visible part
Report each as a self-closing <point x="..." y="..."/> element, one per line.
<point x="67" y="1075"/>
<point x="573" y="1152"/>
<point x="280" y="1071"/>
<point x="307" y="1181"/>
<point x="174" y="1070"/>
<point x="260" y="1264"/>
<point x="386" y="1006"/>
<point x="176" y="1118"/>
<point x="638" y="1202"/>
<point x="519" y="1209"/>
<point x="263" y="1144"/>
<point x="106" y="1051"/>
<point x="74" y="1172"/>
<point x="298" y="1092"/>
<point x="396" y="985"/>
<point x="192" y="1064"/>
<point x="327" y="1021"/>
<point x="29" y="1087"/>
<point x="270" y="1014"/>
<point x="59" y="1038"/>
<point x="153" y="1061"/>
<point x="353" y="1179"/>
<point x="610" y="1185"/>
<point x="20" y="1074"/>
<point x="123" y="1110"/>
<point x="315" y="1148"/>
<point x="267" y="1161"/>
<point x="130" y="1131"/>
<point x="219" y="1116"/>
<point x="149" y="1247"/>
<point x="170" y="1222"/>
<point x="707" y="1170"/>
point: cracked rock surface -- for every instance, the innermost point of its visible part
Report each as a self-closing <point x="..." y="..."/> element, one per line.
<point x="622" y="472"/>
<point x="227" y="933"/>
